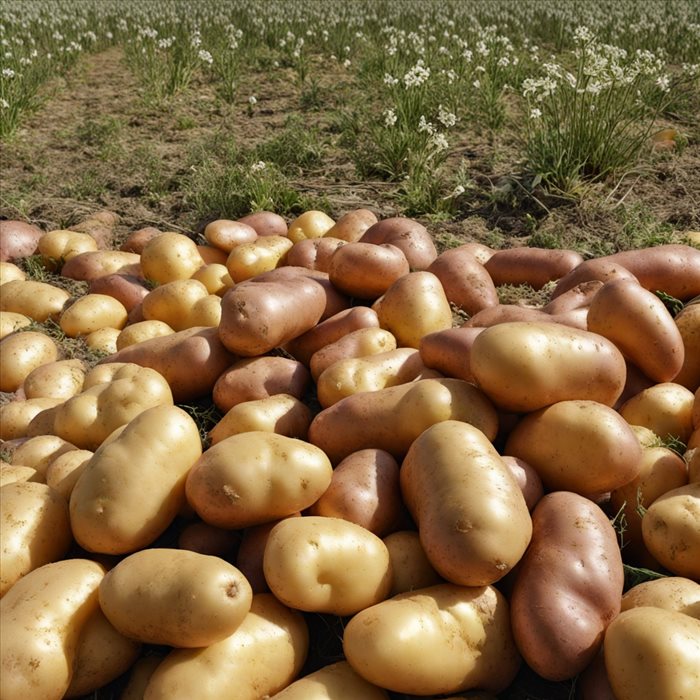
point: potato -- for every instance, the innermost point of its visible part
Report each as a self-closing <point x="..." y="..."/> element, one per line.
<point x="471" y="539"/>
<point x="10" y="321"/>
<point x="528" y="480"/>
<point x="35" y="529"/>
<point x="179" y="304"/>
<point x="688" y="323"/>
<point x="190" y="361"/>
<point x="103" y="341"/>
<point x="665" y="408"/>
<point x="211" y="255"/>
<point x="366" y="270"/>
<point x="364" y="489"/>
<point x="9" y="271"/>
<point x="136" y="240"/>
<point x="326" y="565"/>
<point x="63" y="471"/>
<point x="56" y="380"/>
<point x="506" y="313"/>
<point x="134" y="486"/>
<point x="256" y="378"/>
<point x="141" y="331"/>
<point x="215" y="278"/>
<point x="567" y="587"/>
<point x="596" y="269"/>
<point x="282" y="414"/>
<point x="91" y="265"/>
<point x="577" y="297"/>
<point x="256" y="477"/>
<point x="333" y="682"/>
<point x="38" y="300"/>
<point x="310" y="224"/>
<point x="313" y="253"/>
<point x="18" y="239"/>
<point x="440" y="639"/>
<point x="465" y="280"/>
<point x="670" y="593"/>
<point x="391" y="419"/>
<point x="411" y="237"/>
<point x="38" y="452"/>
<point x="129" y="290"/>
<point x="12" y="473"/>
<point x="653" y="653"/>
<point x="17" y="417"/>
<point x="671" y="530"/>
<point x="412" y="568"/>
<point x="261" y="255"/>
<point x="175" y="597"/>
<point x="447" y="351"/>
<point x="103" y="654"/>
<point x="226" y="234"/>
<point x="524" y="366"/>
<point x="264" y="655"/>
<point x="580" y="446"/>
<point x="92" y="312"/>
<point x="139" y="677"/>
<point x="352" y="225"/>
<point x="55" y="247"/>
<point x="170" y="256"/>
<point x="637" y="321"/>
<point x="266" y="223"/>
<point x="414" y="306"/>
<point x="43" y="616"/>
<point x="533" y="266"/>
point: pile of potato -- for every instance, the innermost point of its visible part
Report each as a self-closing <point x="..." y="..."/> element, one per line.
<point x="463" y="494"/>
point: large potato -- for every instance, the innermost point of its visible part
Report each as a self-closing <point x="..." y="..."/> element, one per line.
<point x="91" y="313"/>
<point x="256" y="477"/>
<point x="533" y="266"/>
<point x="134" y="486"/>
<point x="580" y="446"/>
<point x="38" y="300"/>
<point x="524" y="366"/>
<point x="170" y="256"/>
<point x="175" y="597"/>
<point x="91" y="265"/>
<point x="391" y="419"/>
<point x="263" y="656"/>
<point x="326" y="565"/>
<point x="20" y="354"/>
<point x="43" y="616"/>
<point x="411" y="237"/>
<point x="441" y="639"/>
<point x="669" y="592"/>
<point x="653" y="653"/>
<point x="567" y="587"/>
<point x="55" y="380"/>
<point x="472" y="537"/>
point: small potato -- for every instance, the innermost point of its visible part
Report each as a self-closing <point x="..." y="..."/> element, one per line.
<point x="264" y="655"/>
<point x="170" y="256"/>
<point x="256" y="477"/>
<point x="414" y="306"/>
<point x="282" y="414"/>
<point x="16" y="417"/>
<point x="38" y="452"/>
<point x="10" y="321"/>
<point x="580" y="446"/>
<point x="226" y="234"/>
<point x="57" y="380"/>
<point x="143" y="330"/>
<point x="310" y="224"/>
<point x="412" y="568"/>
<point x="266" y="223"/>
<point x="43" y="616"/>
<point x="261" y="255"/>
<point x="688" y="322"/>
<point x="175" y="597"/>
<point x="533" y="266"/>
<point x="136" y="240"/>
<point x="653" y="653"/>
<point x="528" y="480"/>
<point x="411" y="237"/>
<point x="175" y="303"/>
<point x="57" y="246"/>
<point x="670" y="593"/>
<point x="364" y="489"/>
<point x="38" y="300"/>
<point x="671" y="530"/>
<point x="326" y="565"/>
<point x="665" y="408"/>
<point x="313" y="253"/>
<point x="103" y="341"/>
<point x="212" y="255"/>
<point x="35" y="529"/>
<point x="215" y="278"/>
<point x="351" y="226"/>
<point x="9" y="271"/>
<point x="91" y="265"/>
<point x="92" y="312"/>
<point x="63" y="471"/>
<point x="440" y="639"/>
<point x="18" y="239"/>
<point x="333" y="682"/>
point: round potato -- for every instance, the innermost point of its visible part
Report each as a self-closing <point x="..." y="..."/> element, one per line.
<point x="20" y="354"/>
<point x="38" y="452"/>
<point x="313" y="253"/>
<point x="261" y="255"/>
<point x="56" y="380"/>
<point x="18" y="417"/>
<point x="9" y="271"/>
<point x="670" y="593"/>
<point x="226" y="234"/>
<point x="310" y="224"/>
<point x="142" y="330"/>
<point x="170" y="256"/>
<point x="266" y="223"/>
<point x="91" y="313"/>
<point x="352" y="225"/>
<point x="57" y="246"/>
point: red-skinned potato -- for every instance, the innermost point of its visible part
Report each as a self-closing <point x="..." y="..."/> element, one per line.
<point x="575" y="298"/>
<point x="637" y="321"/>
<point x="506" y="313"/>
<point x="440" y="639"/>
<point x="524" y="366"/>
<point x="191" y="360"/>
<point x="266" y="223"/>
<point x="533" y="266"/>
<point x="447" y="351"/>
<point x="127" y="289"/>
<point x="577" y="445"/>
<point x="364" y="489"/>
<point x="91" y="265"/>
<point x="366" y="270"/>
<point x="480" y="251"/>
<point x="470" y="539"/>
<point x="310" y="224"/>
<point x="412" y="568"/>
<point x="688" y="322"/>
<point x="350" y="227"/>
<point x="465" y="280"/>
<point x="528" y="480"/>
<point x="313" y="253"/>
<point x="408" y="235"/>
<point x="100" y="225"/>
<point x="136" y="240"/>
<point x="18" y="239"/>
<point x="255" y="378"/>
<point x="567" y="587"/>
<point x="391" y="419"/>
<point x="226" y="234"/>
<point x="595" y="269"/>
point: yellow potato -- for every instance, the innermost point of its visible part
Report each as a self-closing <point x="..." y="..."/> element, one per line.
<point x="12" y="473"/>
<point x="263" y="656"/>
<point x="38" y="452"/>
<point x="16" y="417"/>
<point x="56" y="380"/>
<point x="174" y="303"/>
<point x="55" y="247"/>
<point x="310" y="224"/>
<point x="440" y="639"/>
<point x="20" y="354"/>
<point x="92" y="312"/>
<point x="11" y="321"/>
<point x="670" y="593"/>
<point x="9" y="271"/>
<point x="142" y="330"/>
<point x="63" y="471"/>
<point x="215" y="277"/>
<point x="170" y="256"/>
<point x="38" y="300"/>
<point x="134" y="486"/>
<point x="261" y="255"/>
<point x="326" y="565"/>
<point x="43" y="616"/>
<point x="411" y="567"/>
<point x="226" y="234"/>
<point x="103" y="341"/>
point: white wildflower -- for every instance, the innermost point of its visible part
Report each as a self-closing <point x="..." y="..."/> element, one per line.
<point x="439" y="141"/>
<point x="477" y="84"/>
<point x="663" y="82"/>
<point x="8" y="73"/>
<point x="4" y="104"/>
<point x="390" y="80"/>
<point x="535" y="113"/>
<point x="347" y="63"/>
<point x="582" y="34"/>
<point x="252" y="100"/>
<point x="503" y="61"/>
<point x="258" y="166"/>
<point x="417" y="75"/>
<point x="205" y="56"/>
<point x="390" y="118"/>
<point x="447" y="119"/>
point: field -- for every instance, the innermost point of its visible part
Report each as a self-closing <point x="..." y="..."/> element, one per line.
<point x="569" y="124"/>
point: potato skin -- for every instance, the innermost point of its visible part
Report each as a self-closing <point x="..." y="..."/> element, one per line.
<point x="441" y="639"/>
<point x="411" y="237"/>
<point x="22" y="353"/>
<point x="447" y="351"/>
<point x="568" y="586"/>
<point x="688" y="322"/>
<point x="473" y="536"/>
<point x="670" y="593"/>
<point x="38" y="300"/>
<point x="524" y="366"/>
<point x="533" y="266"/>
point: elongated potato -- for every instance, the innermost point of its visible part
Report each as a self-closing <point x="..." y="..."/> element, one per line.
<point x="175" y="597"/>
<point x="264" y="655"/>
<point x="391" y="419"/>
<point x="10" y="321"/>
<point x="670" y="593"/>
<point x="524" y="366"/>
<point x="580" y="446"/>
<point x="411" y="237"/>
<point x="441" y="639"/>
<point x="533" y="266"/>
<point x="226" y="234"/>
<point x="17" y="417"/>
<point x="256" y="477"/>
<point x="38" y="452"/>
<point x="127" y="289"/>
<point x="142" y="331"/>
<point x="91" y="265"/>
<point x="596" y="269"/>
<point x="134" y="486"/>
<point x="60" y="245"/>
<point x="43" y="616"/>
<point x="92" y="312"/>
<point x="56" y="380"/>
<point x="568" y="586"/>
<point x="38" y="300"/>
<point x="20" y="354"/>
<point x="266" y="223"/>
<point x="472" y="538"/>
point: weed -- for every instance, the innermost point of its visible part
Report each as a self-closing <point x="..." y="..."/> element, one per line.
<point x="295" y="149"/>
